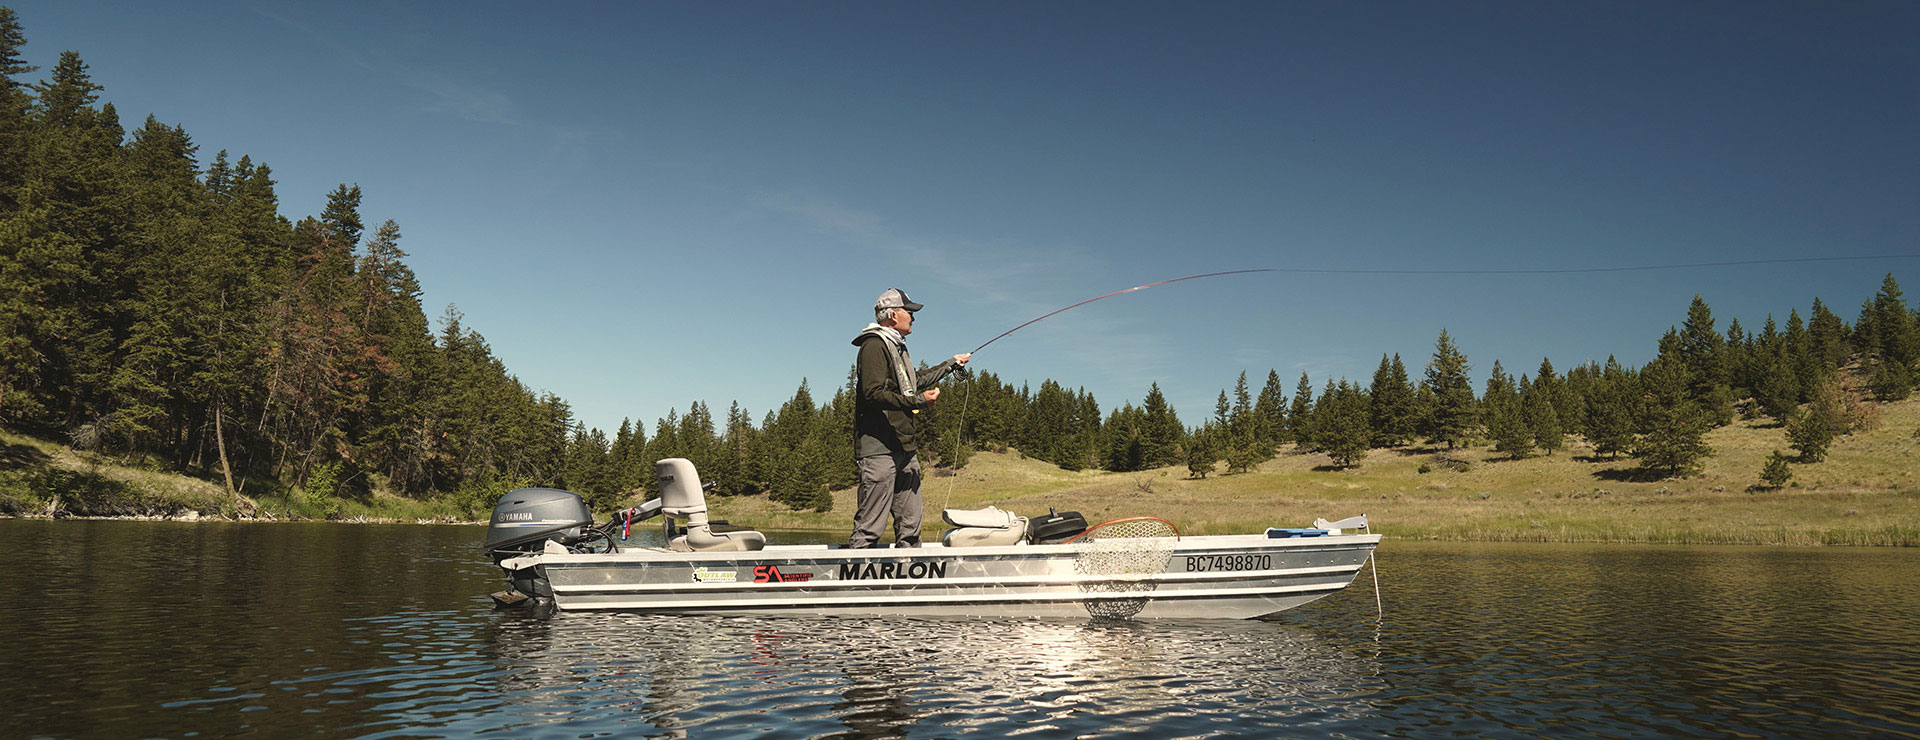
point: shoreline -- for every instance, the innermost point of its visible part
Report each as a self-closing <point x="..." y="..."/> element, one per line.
<point x="1866" y="493"/>
<point x="1688" y="539"/>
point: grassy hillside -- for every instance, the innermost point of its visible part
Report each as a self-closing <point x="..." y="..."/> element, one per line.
<point x="1867" y="492"/>
<point x="38" y="478"/>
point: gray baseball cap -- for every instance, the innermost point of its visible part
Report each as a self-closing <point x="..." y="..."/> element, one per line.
<point x="896" y="298"/>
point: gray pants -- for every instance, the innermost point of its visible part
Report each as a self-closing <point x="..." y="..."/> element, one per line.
<point x="888" y="484"/>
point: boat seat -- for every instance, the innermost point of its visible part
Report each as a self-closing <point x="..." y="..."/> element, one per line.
<point x="983" y="528"/>
<point x="707" y="540"/>
<point x="682" y="497"/>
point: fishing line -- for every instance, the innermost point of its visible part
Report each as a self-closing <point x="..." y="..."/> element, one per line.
<point x="1568" y="270"/>
<point x="1373" y="563"/>
<point x="983" y="345"/>
<point x="966" y="400"/>
<point x="961" y="431"/>
<point x="1545" y="271"/>
<point x="959" y="434"/>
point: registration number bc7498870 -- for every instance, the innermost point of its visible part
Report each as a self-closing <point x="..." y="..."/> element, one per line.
<point x="1207" y="563"/>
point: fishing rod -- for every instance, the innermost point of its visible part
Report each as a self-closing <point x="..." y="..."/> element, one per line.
<point x="983" y="345"/>
<point x="961" y="371"/>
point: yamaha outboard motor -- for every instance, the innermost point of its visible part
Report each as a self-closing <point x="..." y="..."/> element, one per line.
<point x="526" y="518"/>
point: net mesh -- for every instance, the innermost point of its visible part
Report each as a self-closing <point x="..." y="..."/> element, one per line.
<point x="1138" y="547"/>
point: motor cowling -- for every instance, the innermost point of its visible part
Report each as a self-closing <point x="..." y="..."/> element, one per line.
<point x="525" y="517"/>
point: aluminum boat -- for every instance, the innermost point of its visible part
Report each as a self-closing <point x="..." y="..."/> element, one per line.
<point x="987" y="565"/>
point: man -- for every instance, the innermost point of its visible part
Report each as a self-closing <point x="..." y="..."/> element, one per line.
<point x="886" y="412"/>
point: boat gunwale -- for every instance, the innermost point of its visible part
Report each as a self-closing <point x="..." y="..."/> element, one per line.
<point x="777" y="554"/>
<point x="949" y="599"/>
<point x="965" y="581"/>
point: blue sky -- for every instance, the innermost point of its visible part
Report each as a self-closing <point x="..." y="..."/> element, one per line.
<point x="641" y="205"/>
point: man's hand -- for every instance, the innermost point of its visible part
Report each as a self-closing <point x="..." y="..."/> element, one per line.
<point x="961" y="360"/>
<point x="933" y="394"/>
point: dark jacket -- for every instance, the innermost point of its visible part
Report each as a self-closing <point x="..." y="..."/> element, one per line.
<point x="885" y="418"/>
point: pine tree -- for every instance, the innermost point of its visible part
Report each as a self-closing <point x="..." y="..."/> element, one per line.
<point x="1776" y="473"/>
<point x="1242" y="453"/>
<point x="1126" y="434"/>
<point x="796" y="470"/>
<point x="1896" y="333"/>
<point x="1451" y="418"/>
<point x="15" y="136"/>
<point x="1537" y="407"/>
<point x="1300" y="414"/>
<point x="1051" y="424"/>
<point x="397" y="428"/>
<point x="1829" y="336"/>
<point x="1892" y="381"/>
<point x="1162" y="429"/>
<point x="1778" y="393"/>
<point x="587" y="472"/>
<point x="1812" y="433"/>
<point x="621" y="472"/>
<point x="1672" y="427"/>
<point x="62" y="285"/>
<point x="1087" y="443"/>
<point x="666" y="444"/>
<point x="1315" y="438"/>
<point x="1392" y="414"/>
<point x="1201" y="453"/>
<point x="1807" y="371"/>
<point x="1244" y="424"/>
<point x="1272" y="410"/>
<point x="1341" y="426"/>
<point x="1610" y="414"/>
<point x="1733" y="359"/>
<point x="1241" y="435"/>
<point x="1505" y="423"/>
<point x="1703" y="350"/>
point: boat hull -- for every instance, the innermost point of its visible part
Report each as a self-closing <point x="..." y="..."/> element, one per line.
<point x="1234" y="577"/>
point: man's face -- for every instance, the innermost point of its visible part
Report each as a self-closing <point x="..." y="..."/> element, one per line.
<point x="903" y="322"/>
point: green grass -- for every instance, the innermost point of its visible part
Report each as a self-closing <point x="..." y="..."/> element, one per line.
<point x="39" y="478"/>
<point x="1867" y="492"/>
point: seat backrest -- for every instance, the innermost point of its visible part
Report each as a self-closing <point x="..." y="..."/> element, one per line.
<point x="680" y="494"/>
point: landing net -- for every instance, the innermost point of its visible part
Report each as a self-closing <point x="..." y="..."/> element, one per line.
<point x="1139" y="547"/>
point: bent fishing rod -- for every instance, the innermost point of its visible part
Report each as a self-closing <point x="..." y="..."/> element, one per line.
<point x="983" y="345"/>
<point x="962" y="373"/>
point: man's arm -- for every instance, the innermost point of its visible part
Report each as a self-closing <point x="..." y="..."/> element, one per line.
<point x="933" y="374"/>
<point x="875" y="387"/>
<point x="926" y="378"/>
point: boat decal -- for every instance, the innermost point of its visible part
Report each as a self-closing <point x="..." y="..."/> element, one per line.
<point x="710" y="575"/>
<point x="1208" y="563"/>
<point x="772" y="574"/>
<point x="892" y="569"/>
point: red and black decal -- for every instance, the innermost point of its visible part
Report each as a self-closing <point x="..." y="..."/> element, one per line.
<point x="772" y="574"/>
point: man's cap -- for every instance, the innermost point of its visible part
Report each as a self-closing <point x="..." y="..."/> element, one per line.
<point x="896" y="298"/>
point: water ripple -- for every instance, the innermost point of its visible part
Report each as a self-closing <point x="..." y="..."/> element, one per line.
<point x="168" y="630"/>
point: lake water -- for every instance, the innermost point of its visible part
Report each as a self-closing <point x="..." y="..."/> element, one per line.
<point x="165" y="629"/>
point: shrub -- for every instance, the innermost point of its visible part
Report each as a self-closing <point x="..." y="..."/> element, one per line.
<point x="1812" y="432"/>
<point x="1776" y="473"/>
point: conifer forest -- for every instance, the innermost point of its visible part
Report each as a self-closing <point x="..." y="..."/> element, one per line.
<point x="155" y="305"/>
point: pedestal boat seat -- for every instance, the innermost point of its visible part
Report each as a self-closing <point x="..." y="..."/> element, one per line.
<point x="683" y="498"/>
<point x="983" y="527"/>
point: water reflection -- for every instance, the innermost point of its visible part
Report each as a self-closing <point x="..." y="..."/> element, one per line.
<point x="120" y="629"/>
<point x="895" y="677"/>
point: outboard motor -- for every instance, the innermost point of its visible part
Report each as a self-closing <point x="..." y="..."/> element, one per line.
<point x="526" y="517"/>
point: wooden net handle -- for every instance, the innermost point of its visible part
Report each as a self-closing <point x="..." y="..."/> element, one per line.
<point x="1122" y="520"/>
